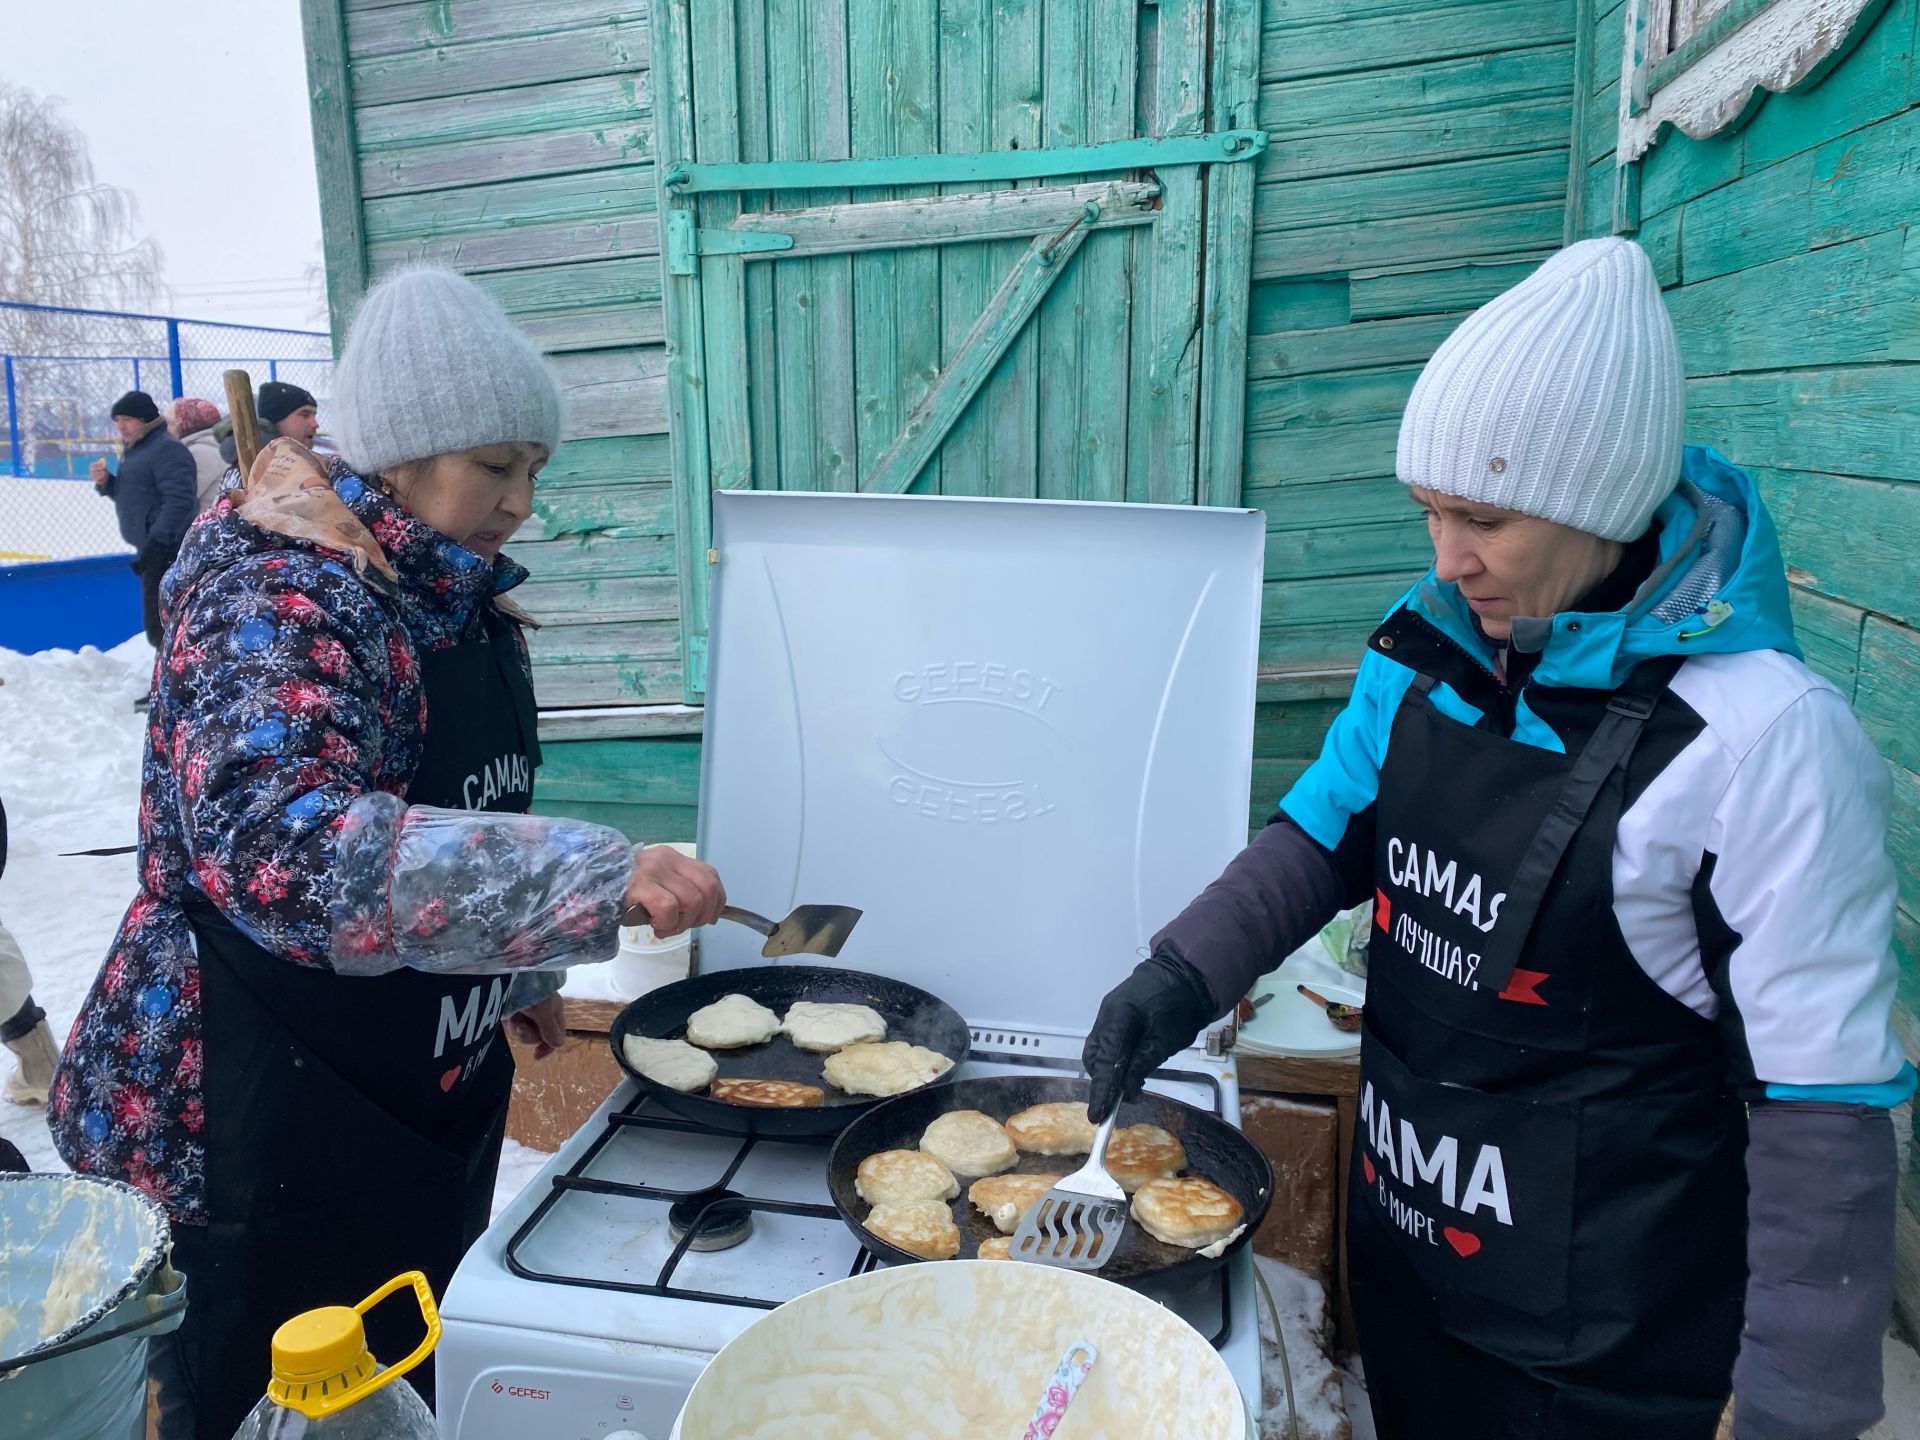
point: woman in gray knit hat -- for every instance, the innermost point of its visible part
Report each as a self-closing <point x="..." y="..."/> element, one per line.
<point x="1627" y="1059"/>
<point x="294" y="1043"/>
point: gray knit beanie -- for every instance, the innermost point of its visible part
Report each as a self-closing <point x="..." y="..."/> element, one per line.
<point x="432" y="365"/>
<point x="1563" y="398"/>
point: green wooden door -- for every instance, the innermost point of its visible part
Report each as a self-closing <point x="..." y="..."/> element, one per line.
<point x="959" y="247"/>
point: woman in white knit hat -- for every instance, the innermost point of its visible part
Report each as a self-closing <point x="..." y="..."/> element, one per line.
<point x="1627" y="1060"/>
<point x="295" y="1041"/>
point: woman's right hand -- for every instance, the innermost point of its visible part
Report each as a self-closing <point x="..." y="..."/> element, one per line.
<point x="671" y="892"/>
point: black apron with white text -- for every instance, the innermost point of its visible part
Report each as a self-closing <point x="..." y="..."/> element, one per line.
<point x="353" y="1124"/>
<point x="1547" y="1196"/>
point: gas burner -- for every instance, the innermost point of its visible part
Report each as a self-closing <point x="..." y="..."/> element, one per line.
<point x="723" y="1218"/>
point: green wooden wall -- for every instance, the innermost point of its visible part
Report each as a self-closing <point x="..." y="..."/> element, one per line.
<point x="1418" y="166"/>
<point x="1790" y="272"/>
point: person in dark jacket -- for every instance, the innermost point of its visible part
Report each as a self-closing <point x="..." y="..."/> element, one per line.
<point x="295" y="1044"/>
<point x="280" y="409"/>
<point x="1627" y="1060"/>
<point x="153" y="496"/>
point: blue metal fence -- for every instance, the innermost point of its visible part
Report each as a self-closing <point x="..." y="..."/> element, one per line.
<point x="60" y="372"/>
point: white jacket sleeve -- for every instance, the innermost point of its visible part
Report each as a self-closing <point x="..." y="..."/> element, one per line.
<point x="1799" y="876"/>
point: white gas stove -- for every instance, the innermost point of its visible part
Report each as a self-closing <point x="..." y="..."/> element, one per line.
<point x="1019" y="735"/>
<point x="585" y="1312"/>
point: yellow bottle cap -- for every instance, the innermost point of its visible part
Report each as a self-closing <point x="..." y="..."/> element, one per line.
<point x="318" y="1357"/>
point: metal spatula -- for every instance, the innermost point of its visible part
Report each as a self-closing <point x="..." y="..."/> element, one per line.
<point x="809" y="930"/>
<point x="1077" y="1223"/>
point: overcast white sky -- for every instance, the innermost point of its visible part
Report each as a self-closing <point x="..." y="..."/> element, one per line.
<point x="199" y="109"/>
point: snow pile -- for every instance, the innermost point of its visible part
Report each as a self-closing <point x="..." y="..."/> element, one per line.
<point x="1317" y="1400"/>
<point x="70" y="743"/>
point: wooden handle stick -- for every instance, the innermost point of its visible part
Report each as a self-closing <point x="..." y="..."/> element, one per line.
<point x="246" y="435"/>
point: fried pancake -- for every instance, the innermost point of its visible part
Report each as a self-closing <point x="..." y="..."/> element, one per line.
<point x="890" y="1067"/>
<point x="1140" y="1153"/>
<point x="672" y="1063"/>
<point x="731" y="1022"/>
<point x="775" y="1094"/>
<point x="919" y="1227"/>
<point x="899" y="1177"/>
<point x="824" y="1029"/>
<point x="1003" y="1199"/>
<point x="970" y="1143"/>
<point x="1188" y="1211"/>
<point x="998" y="1248"/>
<point x="1061" y="1128"/>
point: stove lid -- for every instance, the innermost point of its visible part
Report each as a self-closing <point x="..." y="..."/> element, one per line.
<point x="1018" y="734"/>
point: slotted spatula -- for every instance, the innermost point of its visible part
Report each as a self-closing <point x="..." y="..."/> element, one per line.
<point x="1077" y="1223"/>
<point x="809" y="930"/>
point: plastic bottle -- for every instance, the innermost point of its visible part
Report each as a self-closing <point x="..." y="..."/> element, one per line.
<point x="327" y="1386"/>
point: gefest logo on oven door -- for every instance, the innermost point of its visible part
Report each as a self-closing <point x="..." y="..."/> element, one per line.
<point x="521" y="1392"/>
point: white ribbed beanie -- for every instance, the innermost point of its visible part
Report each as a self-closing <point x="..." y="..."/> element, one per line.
<point x="432" y="365"/>
<point x="1562" y="398"/>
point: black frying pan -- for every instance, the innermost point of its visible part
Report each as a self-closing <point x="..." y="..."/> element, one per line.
<point x="910" y="1012"/>
<point x="1215" y="1151"/>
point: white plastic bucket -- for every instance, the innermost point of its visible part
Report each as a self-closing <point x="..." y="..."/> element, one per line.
<point x="83" y="1287"/>
<point x="959" y="1350"/>
<point x="645" y="963"/>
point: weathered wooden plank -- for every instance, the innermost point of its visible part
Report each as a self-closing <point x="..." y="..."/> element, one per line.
<point x="1313" y="401"/>
<point x="1671" y="175"/>
<point x="598" y="462"/>
<point x="1340" y="599"/>
<point x="1110" y="73"/>
<point x="968" y="273"/>
<point x="410" y="169"/>
<point x="1323" y="653"/>
<point x="1162" y="457"/>
<point x="1058" y="325"/>
<point x="1292" y="731"/>
<point x="1876" y="82"/>
<point x="824" y="49"/>
<point x="1010" y="407"/>
<point x="1278" y="306"/>
<point x="1368" y="99"/>
<point x="1441" y="189"/>
<point x="503" y="114"/>
<point x="979" y="355"/>
<point x="603" y="328"/>
<point x="424" y="24"/>
<point x="635" y="507"/>
<point x="1843" y="305"/>
<point x="1348" y="347"/>
<point x="1850" y="538"/>
<point x="589" y="557"/>
<point x="659" y="772"/>
<point x="1855" y="421"/>
<point x="951" y="219"/>
<point x="1355" y="450"/>
<point x="1526" y="125"/>
<point x="1581" y="121"/>
<point x="893" y="82"/>
<point x="476" y="252"/>
<point x="601" y="601"/>
<point x="1855" y="186"/>
<point x="621" y="722"/>
<point x="618" y="641"/>
<point x="1887" y="697"/>
<point x="428" y="71"/>
<point x="552" y="200"/>
<point x="1903" y="835"/>
<point x="605" y="682"/>
<point x="1437" y="290"/>
<point x="1333" y="506"/>
<point x="344" y="231"/>
<point x="571" y="287"/>
<point x="1404" y="35"/>
<point x="1360" y="245"/>
<point x="1396" y="546"/>
<point x="1232" y="99"/>
<point x="1829" y="636"/>
<point x="789" y="76"/>
<point x="614" y="392"/>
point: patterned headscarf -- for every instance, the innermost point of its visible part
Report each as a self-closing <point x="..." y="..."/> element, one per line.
<point x="191" y="414"/>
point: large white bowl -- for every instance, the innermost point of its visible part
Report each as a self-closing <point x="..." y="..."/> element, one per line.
<point x="961" y="1351"/>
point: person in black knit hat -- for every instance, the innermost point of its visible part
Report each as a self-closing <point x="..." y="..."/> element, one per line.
<point x="153" y="495"/>
<point x="282" y="409"/>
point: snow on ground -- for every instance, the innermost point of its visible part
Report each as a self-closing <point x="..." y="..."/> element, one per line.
<point x="70" y="741"/>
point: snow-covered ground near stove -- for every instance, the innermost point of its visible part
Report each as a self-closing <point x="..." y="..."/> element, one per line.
<point x="70" y="775"/>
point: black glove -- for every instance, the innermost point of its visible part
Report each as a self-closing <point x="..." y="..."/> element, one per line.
<point x="1152" y="1014"/>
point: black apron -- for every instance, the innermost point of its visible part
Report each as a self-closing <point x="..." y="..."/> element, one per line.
<point x="353" y="1124"/>
<point x="1547" y="1205"/>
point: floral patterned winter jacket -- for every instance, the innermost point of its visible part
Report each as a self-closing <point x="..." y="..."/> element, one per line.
<point x="286" y="722"/>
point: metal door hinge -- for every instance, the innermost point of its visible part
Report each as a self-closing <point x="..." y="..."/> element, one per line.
<point x="687" y="242"/>
<point x="697" y="663"/>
